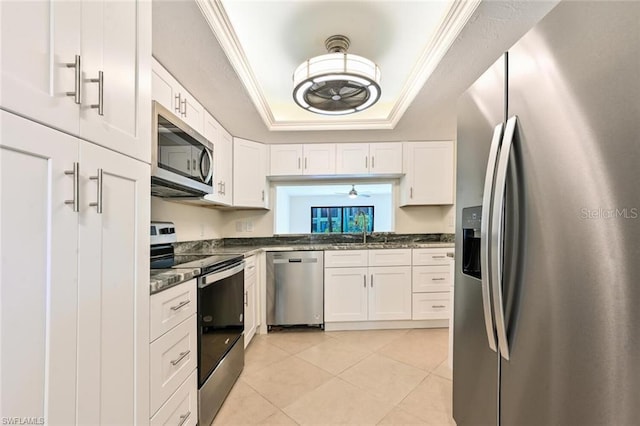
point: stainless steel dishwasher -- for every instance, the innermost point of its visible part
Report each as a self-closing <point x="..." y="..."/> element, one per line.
<point x="295" y="288"/>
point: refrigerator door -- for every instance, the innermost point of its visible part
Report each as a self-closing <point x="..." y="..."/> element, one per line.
<point x="475" y="365"/>
<point x="573" y="201"/>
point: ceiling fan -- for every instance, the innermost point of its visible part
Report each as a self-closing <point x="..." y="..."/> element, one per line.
<point x="353" y="193"/>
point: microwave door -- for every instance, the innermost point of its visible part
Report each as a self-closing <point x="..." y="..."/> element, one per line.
<point x="205" y="165"/>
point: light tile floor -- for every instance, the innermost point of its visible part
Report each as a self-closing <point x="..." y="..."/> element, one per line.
<point x="372" y="377"/>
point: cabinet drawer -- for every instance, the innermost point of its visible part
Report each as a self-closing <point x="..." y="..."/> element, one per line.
<point x="345" y="258"/>
<point x="170" y="307"/>
<point x="431" y="278"/>
<point x="390" y="257"/>
<point x="172" y="360"/>
<point x="431" y="306"/>
<point x="182" y="406"/>
<point x="249" y="266"/>
<point x="432" y="256"/>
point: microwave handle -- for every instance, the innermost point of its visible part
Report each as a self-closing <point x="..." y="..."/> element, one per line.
<point x="209" y="173"/>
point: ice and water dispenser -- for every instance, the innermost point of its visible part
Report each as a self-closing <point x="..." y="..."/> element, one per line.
<point x="471" y="222"/>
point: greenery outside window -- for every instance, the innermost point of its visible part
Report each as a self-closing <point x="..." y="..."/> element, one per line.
<point x="342" y="219"/>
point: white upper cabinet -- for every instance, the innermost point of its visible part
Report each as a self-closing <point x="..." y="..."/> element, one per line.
<point x="308" y="159"/>
<point x="82" y="67"/>
<point x="385" y="158"/>
<point x="382" y="158"/>
<point x="169" y="92"/>
<point x="223" y="160"/>
<point x="286" y="160"/>
<point x="429" y="173"/>
<point x="249" y="174"/>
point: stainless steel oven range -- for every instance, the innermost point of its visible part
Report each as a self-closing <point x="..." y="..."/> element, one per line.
<point x="220" y="322"/>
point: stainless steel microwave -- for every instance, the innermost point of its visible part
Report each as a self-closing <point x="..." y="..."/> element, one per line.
<point x="181" y="158"/>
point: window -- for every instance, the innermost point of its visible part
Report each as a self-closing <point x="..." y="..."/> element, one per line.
<point x="343" y="219"/>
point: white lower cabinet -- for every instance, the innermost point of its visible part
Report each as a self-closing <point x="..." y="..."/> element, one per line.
<point x="250" y="298"/>
<point x="74" y="244"/>
<point x="358" y="291"/>
<point x="431" y="283"/>
<point x="173" y="357"/>
<point x="182" y="407"/>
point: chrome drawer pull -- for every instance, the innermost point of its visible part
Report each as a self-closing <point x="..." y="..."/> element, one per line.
<point x="438" y="257"/>
<point x="184" y="417"/>
<point x="180" y="305"/>
<point x="438" y="306"/>
<point x="180" y="358"/>
<point x="78" y="80"/>
<point x="76" y="186"/>
<point x="437" y="279"/>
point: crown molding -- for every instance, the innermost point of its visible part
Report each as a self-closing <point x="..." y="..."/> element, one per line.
<point x="453" y="22"/>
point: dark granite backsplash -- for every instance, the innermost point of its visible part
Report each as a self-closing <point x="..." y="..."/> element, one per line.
<point x="205" y="246"/>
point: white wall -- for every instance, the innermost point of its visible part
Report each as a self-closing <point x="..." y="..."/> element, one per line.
<point x="192" y="222"/>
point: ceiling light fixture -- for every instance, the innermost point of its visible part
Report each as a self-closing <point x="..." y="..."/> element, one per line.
<point x="336" y="83"/>
<point x="353" y="193"/>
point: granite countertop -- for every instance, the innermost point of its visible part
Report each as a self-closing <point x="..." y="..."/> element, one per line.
<point x="162" y="279"/>
<point x="247" y="251"/>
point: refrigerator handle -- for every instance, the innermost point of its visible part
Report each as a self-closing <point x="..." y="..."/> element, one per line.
<point x="487" y="199"/>
<point x="497" y="227"/>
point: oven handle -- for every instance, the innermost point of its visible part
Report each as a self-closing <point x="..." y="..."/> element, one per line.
<point x="207" y="280"/>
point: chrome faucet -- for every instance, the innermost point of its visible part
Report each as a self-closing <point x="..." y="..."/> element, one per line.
<point x="363" y="224"/>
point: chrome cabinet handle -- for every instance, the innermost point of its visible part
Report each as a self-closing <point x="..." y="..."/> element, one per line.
<point x="178" y="99"/>
<point x="298" y="162"/>
<point x="220" y="187"/>
<point x="180" y="305"/>
<point x="373" y="164"/>
<point x="98" y="203"/>
<point x="411" y="192"/>
<point x="224" y="188"/>
<point x="366" y="162"/>
<point x="365" y="280"/>
<point x="184" y="103"/>
<point x="78" y="80"/>
<point x="263" y="195"/>
<point x="371" y="280"/>
<point x="76" y="186"/>
<point x="497" y="227"/>
<point x="184" y="417"/>
<point x="100" y="81"/>
<point x="188" y="164"/>
<point x="194" y="163"/>
<point x="180" y="357"/>
<point x="246" y="297"/>
<point x="485" y="228"/>
<point x="305" y="163"/>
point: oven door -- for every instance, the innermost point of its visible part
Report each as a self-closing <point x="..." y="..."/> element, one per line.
<point x="220" y="316"/>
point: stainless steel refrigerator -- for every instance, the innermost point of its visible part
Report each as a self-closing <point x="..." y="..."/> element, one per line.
<point x="547" y="289"/>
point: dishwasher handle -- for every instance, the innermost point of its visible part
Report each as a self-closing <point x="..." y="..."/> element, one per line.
<point x="297" y="260"/>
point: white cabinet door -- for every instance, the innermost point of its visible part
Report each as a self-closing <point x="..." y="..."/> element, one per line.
<point x="192" y="112"/>
<point x="429" y="169"/>
<point x="223" y="159"/>
<point x="38" y="275"/>
<point x="116" y="41"/>
<point x="170" y="307"/>
<point x="345" y="294"/>
<point x="250" y="308"/>
<point x="319" y="159"/>
<point x="249" y="174"/>
<point x="286" y="160"/>
<point x="40" y="39"/>
<point x="182" y="407"/>
<point x="113" y="323"/>
<point x="385" y="158"/>
<point x="352" y="158"/>
<point x="390" y="293"/>
<point x="431" y="306"/>
<point x="165" y="89"/>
